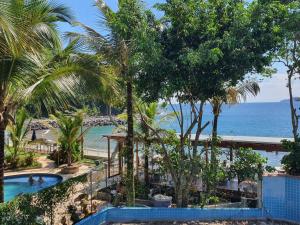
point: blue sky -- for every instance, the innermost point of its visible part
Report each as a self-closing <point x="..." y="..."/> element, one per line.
<point x="272" y="89"/>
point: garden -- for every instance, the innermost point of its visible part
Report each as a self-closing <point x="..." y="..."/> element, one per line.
<point x="146" y="72"/>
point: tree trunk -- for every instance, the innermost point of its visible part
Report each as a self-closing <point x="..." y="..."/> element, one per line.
<point x="129" y="146"/>
<point x="69" y="157"/>
<point x="181" y="195"/>
<point x="146" y="166"/>
<point x="292" y="107"/>
<point x="2" y="145"/>
<point x="216" y="112"/>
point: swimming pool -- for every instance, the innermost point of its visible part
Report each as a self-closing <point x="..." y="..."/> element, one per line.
<point x="20" y="184"/>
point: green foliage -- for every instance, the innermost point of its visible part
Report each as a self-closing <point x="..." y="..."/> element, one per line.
<point x="49" y="198"/>
<point x="247" y="164"/>
<point x="20" y="211"/>
<point x="70" y="135"/>
<point x="24" y="160"/>
<point x="289" y="55"/>
<point x="141" y="189"/>
<point x="179" y="163"/>
<point x="17" y="133"/>
<point x="291" y="162"/>
<point x="205" y="46"/>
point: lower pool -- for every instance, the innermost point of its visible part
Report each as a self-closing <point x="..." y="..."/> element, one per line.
<point x="28" y="183"/>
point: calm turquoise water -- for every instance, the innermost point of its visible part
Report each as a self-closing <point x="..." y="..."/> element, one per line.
<point x="248" y="119"/>
<point x="16" y="185"/>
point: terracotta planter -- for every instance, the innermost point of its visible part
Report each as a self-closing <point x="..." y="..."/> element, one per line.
<point x="70" y="169"/>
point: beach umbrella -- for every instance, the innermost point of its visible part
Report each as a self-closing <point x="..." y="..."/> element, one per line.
<point x="33" y="137"/>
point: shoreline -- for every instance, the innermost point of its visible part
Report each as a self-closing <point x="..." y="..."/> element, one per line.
<point x="93" y="121"/>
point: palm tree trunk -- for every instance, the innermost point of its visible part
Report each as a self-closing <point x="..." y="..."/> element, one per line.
<point x="146" y="166"/>
<point x="69" y="157"/>
<point x="2" y="145"/>
<point x="129" y="146"/>
<point x="216" y="112"/>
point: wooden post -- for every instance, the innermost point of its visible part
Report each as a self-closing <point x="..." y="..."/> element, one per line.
<point x="108" y="156"/>
<point x="81" y="143"/>
<point x="120" y="157"/>
<point x="231" y="154"/>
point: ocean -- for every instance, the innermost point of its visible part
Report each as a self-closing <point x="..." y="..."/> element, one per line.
<point x="246" y="119"/>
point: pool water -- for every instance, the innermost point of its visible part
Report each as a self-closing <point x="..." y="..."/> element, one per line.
<point x="19" y="184"/>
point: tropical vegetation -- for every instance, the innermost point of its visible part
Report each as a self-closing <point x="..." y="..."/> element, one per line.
<point x="198" y="53"/>
<point x="69" y="137"/>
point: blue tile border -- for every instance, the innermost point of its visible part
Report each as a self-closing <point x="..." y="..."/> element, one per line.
<point x="281" y="197"/>
<point x="170" y="214"/>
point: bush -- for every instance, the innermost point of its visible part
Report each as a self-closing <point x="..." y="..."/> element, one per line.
<point x="61" y="156"/>
<point x="23" y="160"/>
<point x="247" y="164"/>
<point x="291" y="162"/>
<point x="20" y="211"/>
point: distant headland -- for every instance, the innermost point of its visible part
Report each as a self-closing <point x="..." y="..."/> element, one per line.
<point x="297" y="99"/>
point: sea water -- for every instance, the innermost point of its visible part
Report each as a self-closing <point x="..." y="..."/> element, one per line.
<point x="247" y="119"/>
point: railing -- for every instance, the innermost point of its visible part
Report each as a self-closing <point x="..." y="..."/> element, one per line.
<point x="41" y="148"/>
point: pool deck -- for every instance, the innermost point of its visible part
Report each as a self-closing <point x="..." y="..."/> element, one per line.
<point x="48" y="166"/>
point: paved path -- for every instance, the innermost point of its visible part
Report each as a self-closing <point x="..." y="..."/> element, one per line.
<point x="48" y="166"/>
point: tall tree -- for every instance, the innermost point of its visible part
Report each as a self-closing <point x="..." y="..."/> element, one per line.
<point x="204" y="47"/>
<point x="25" y="28"/>
<point x="289" y="56"/>
<point x="118" y="45"/>
<point x="33" y="65"/>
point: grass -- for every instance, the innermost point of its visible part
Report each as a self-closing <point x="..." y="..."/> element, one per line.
<point x="87" y="161"/>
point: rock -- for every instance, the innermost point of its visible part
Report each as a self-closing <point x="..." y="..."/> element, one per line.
<point x="88" y="122"/>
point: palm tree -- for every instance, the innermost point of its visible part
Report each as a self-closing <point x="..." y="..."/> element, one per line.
<point x="17" y="133"/>
<point x="147" y="115"/>
<point x="33" y="65"/>
<point x="150" y="115"/>
<point x="234" y="95"/>
<point x="26" y="27"/>
<point x="69" y="132"/>
<point x="118" y="47"/>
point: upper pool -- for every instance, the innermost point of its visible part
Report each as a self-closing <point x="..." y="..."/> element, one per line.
<point x="28" y="183"/>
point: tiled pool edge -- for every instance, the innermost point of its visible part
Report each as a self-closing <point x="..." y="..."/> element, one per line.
<point x="120" y="215"/>
<point x="281" y="197"/>
<point x="281" y="201"/>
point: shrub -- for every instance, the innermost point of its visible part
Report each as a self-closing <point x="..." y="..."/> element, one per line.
<point x="61" y="156"/>
<point x="23" y="160"/>
<point x="291" y="162"/>
<point x="247" y="164"/>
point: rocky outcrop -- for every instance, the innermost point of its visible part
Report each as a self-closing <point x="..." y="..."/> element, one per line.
<point x="45" y="124"/>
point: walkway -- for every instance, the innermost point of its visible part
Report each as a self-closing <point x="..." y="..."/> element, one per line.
<point x="48" y="166"/>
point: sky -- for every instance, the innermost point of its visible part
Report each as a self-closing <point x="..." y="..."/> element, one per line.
<point x="272" y="89"/>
